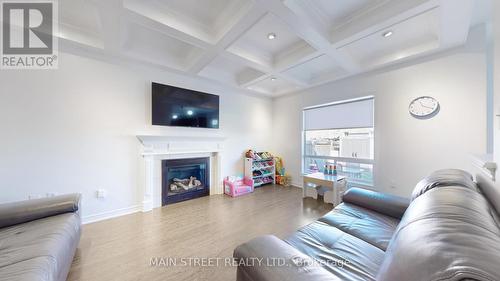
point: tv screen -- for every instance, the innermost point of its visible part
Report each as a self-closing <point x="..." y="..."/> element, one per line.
<point x="173" y="106"/>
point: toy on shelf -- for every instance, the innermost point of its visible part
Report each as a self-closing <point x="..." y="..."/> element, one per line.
<point x="281" y="177"/>
<point x="285" y="180"/>
<point x="250" y="154"/>
<point x="260" y="166"/>
<point x="258" y="156"/>
<point x="236" y="186"/>
<point x="280" y="169"/>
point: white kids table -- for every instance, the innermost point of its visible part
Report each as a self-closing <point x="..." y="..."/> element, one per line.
<point x="335" y="187"/>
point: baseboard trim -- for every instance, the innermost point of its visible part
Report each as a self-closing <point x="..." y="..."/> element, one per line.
<point x="111" y="214"/>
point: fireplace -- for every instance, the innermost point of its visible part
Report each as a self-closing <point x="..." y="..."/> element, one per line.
<point x="184" y="179"/>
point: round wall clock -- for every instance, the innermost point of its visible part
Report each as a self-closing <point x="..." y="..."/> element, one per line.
<point x="424" y="107"/>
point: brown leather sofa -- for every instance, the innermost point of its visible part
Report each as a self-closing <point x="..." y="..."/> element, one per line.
<point x="449" y="230"/>
<point x="38" y="238"/>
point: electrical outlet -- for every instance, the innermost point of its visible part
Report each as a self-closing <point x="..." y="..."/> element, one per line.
<point x="101" y="193"/>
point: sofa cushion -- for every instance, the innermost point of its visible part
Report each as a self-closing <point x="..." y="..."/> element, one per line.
<point x="345" y="256"/>
<point x="444" y="178"/>
<point x="30" y="210"/>
<point x="39" y="250"/>
<point x="490" y="190"/>
<point x="370" y="226"/>
<point x="387" y="204"/>
<point x="293" y="265"/>
<point x="447" y="233"/>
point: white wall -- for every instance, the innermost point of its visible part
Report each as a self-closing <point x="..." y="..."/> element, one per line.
<point x="73" y="130"/>
<point x="406" y="149"/>
<point x="496" y="81"/>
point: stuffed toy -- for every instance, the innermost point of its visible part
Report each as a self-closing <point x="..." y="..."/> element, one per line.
<point x="250" y="154"/>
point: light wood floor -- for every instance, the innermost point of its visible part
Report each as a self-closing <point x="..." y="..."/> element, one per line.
<point x="208" y="227"/>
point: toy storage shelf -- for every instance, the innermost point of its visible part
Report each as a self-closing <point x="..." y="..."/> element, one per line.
<point x="262" y="171"/>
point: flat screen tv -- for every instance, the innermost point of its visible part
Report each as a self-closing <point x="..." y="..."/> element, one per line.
<point x="173" y="106"/>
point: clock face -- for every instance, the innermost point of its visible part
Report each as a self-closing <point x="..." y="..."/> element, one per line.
<point x="424" y="107"/>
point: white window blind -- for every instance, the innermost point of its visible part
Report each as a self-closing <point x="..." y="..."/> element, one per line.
<point x="353" y="114"/>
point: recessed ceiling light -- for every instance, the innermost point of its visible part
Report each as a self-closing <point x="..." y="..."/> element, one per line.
<point x="271" y="36"/>
<point x="175" y="116"/>
<point x="273" y="78"/>
<point x="388" y="33"/>
<point x="190" y="112"/>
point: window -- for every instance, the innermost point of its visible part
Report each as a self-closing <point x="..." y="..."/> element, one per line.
<point x="341" y="134"/>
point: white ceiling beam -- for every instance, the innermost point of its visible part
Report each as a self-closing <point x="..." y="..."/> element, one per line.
<point x="381" y="17"/>
<point x="147" y="22"/>
<point x="245" y="84"/>
<point x="268" y="70"/>
<point x="455" y="22"/>
<point x="291" y="79"/>
<point x="309" y="32"/>
<point x="245" y="61"/>
<point x="296" y="58"/>
<point x="212" y="51"/>
<point x="306" y="11"/>
<point x="248" y="75"/>
<point x="303" y="20"/>
<point x="242" y="25"/>
<point x="110" y="14"/>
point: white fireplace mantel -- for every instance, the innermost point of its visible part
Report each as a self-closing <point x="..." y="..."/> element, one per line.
<point x="156" y="148"/>
<point x="159" y="144"/>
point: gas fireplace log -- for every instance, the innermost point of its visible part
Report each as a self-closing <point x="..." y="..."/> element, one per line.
<point x="185" y="183"/>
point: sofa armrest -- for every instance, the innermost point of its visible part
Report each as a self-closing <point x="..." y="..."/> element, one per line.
<point x="29" y="210"/>
<point x="390" y="205"/>
<point x="268" y="258"/>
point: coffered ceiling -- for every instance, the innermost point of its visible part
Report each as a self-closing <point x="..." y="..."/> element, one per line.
<point x="267" y="47"/>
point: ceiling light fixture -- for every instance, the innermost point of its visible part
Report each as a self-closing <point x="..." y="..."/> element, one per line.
<point x="175" y="116"/>
<point x="273" y="78"/>
<point x="388" y="33"/>
<point x="271" y="36"/>
<point x="190" y="112"/>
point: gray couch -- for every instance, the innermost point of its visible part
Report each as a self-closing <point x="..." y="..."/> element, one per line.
<point x="449" y="230"/>
<point x="38" y="238"/>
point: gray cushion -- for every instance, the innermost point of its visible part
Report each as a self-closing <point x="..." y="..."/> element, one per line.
<point x="39" y="250"/>
<point x="343" y="255"/>
<point x="491" y="191"/>
<point x="447" y="233"/>
<point x="387" y="204"/>
<point x="444" y="178"/>
<point x="370" y="226"/>
<point x="296" y="266"/>
<point x="29" y="210"/>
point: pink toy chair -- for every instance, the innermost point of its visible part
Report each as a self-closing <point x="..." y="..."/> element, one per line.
<point x="238" y="187"/>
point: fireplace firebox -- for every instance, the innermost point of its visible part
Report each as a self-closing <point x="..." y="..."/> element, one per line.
<point x="184" y="179"/>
